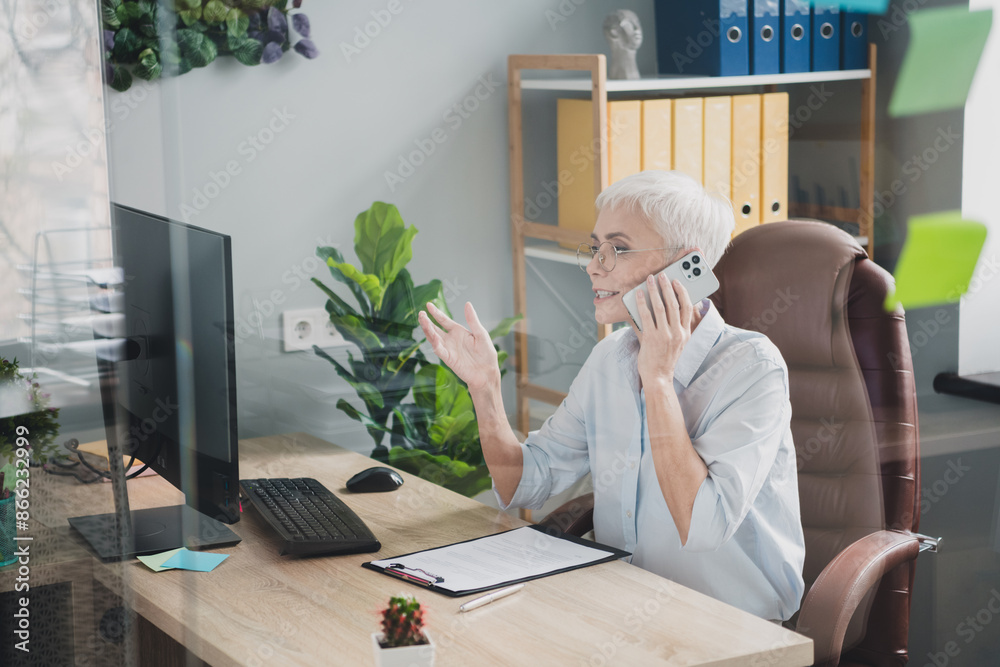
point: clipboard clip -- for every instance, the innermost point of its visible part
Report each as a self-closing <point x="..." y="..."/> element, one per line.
<point x="400" y="570"/>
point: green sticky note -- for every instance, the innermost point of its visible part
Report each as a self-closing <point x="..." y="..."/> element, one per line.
<point x="199" y="561"/>
<point x="937" y="260"/>
<point x="155" y="561"/>
<point x="940" y="62"/>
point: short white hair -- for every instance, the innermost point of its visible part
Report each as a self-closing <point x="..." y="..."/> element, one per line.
<point x="683" y="212"/>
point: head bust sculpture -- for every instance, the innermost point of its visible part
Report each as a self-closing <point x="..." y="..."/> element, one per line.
<point x="624" y="35"/>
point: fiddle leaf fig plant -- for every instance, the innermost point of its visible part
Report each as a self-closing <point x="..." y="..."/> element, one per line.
<point x="423" y="407"/>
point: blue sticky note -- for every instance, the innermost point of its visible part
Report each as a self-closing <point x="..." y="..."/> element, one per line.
<point x="198" y="561"/>
<point x="862" y="6"/>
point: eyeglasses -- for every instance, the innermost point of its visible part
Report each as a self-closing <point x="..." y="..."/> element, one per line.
<point x="607" y="254"/>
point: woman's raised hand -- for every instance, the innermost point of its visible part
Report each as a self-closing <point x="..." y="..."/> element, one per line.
<point x="468" y="352"/>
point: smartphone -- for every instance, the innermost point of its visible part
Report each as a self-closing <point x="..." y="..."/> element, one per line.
<point x="693" y="272"/>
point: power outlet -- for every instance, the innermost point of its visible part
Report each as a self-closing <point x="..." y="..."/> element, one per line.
<point x="301" y="329"/>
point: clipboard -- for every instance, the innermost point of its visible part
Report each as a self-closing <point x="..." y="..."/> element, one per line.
<point x="438" y="583"/>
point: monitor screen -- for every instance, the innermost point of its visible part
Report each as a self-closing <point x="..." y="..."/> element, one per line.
<point x="173" y="399"/>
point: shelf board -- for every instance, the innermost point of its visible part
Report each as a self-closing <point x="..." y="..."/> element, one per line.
<point x="681" y="82"/>
<point x="556" y="253"/>
<point x="550" y="251"/>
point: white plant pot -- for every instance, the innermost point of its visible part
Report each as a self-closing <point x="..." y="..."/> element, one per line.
<point x="403" y="656"/>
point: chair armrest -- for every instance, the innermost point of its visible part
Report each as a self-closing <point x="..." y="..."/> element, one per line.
<point x="842" y="585"/>
<point x="575" y="517"/>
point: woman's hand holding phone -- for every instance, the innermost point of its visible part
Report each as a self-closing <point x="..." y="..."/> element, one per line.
<point x="666" y="328"/>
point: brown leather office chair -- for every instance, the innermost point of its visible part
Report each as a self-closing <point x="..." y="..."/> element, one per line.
<point x="813" y="291"/>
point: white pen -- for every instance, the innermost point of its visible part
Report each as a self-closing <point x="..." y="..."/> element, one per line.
<point x="486" y="599"/>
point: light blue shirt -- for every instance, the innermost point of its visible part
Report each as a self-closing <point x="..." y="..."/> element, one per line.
<point x="745" y="544"/>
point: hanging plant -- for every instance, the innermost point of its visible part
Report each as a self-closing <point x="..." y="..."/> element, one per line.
<point x="149" y="39"/>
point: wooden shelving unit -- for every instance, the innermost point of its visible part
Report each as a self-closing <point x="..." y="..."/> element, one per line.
<point x="534" y="239"/>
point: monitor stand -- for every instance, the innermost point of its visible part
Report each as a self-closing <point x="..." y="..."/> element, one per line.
<point x="153" y="531"/>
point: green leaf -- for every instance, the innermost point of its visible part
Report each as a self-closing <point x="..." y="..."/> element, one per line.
<point x="455" y="475"/>
<point x="121" y="79"/>
<point x="246" y="50"/>
<point x="382" y="242"/>
<point x="214" y="12"/>
<point x="367" y="392"/>
<point x="149" y="72"/>
<point x="126" y="44"/>
<point x="504" y="327"/>
<point x="109" y="15"/>
<point x="403" y="301"/>
<point x="189" y="41"/>
<point x="425" y="387"/>
<point x="205" y="54"/>
<point x="148" y="58"/>
<point x="190" y="16"/>
<point x="128" y="11"/>
<point x="370" y="284"/>
<point x="237" y="23"/>
<point x="337" y="306"/>
<point x="355" y="331"/>
<point x="327" y="253"/>
<point x="357" y="416"/>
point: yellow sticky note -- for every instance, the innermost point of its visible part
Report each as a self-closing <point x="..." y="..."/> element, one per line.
<point x="937" y="260"/>
<point x="155" y="561"/>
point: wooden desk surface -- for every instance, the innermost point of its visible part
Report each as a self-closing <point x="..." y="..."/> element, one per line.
<point x="258" y="608"/>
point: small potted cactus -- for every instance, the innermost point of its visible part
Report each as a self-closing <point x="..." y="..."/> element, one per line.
<point x="403" y="642"/>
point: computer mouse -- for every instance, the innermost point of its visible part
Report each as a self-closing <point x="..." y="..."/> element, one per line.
<point x="375" y="479"/>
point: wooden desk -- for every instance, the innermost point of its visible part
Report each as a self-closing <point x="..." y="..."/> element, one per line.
<point x="259" y="608"/>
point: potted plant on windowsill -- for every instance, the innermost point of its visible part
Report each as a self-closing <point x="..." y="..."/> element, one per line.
<point x="403" y="641"/>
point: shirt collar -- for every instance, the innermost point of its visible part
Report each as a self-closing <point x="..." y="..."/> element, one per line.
<point x="702" y="340"/>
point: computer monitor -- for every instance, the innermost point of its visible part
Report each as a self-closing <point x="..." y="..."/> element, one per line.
<point x="169" y="388"/>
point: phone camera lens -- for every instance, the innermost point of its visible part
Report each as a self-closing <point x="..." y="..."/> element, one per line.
<point x="696" y="271"/>
<point x="686" y="265"/>
<point x="696" y="259"/>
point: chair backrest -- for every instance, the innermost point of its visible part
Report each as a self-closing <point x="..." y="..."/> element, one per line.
<point x="812" y="290"/>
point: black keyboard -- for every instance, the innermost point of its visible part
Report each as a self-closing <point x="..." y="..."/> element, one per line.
<point x="308" y="518"/>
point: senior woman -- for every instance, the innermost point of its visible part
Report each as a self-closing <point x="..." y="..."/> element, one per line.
<point x="684" y="426"/>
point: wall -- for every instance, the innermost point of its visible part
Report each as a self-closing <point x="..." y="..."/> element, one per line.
<point x="978" y="352"/>
<point x="336" y="126"/>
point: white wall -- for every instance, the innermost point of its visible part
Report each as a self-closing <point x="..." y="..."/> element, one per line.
<point x="343" y="125"/>
<point x="980" y="315"/>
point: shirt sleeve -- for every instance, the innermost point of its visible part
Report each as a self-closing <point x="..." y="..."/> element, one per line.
<point x="739" y="448"/>
<point x="555" y="456"/>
